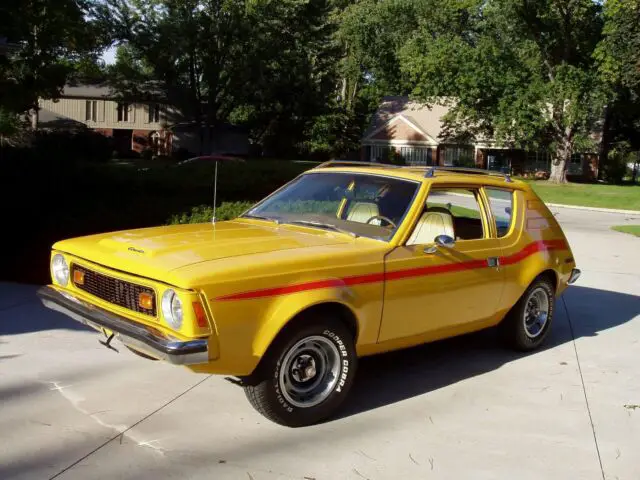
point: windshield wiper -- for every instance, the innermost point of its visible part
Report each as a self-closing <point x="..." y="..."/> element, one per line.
<point x="260" y="217"/>
<point x="327" y="226"/>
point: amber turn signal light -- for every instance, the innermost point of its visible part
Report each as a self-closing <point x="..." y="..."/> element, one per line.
<point x="200" y="315"/>
<point x="78" y="277"/>
<point x="145" y="300"/>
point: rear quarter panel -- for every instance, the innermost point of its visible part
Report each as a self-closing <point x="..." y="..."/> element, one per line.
<point x="534" y="244"/>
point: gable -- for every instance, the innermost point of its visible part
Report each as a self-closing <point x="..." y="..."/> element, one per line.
<point x="398" y="129"/>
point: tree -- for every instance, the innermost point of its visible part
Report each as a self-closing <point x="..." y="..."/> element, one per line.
<point x="619" y="51"/>
<point x="618" y="56"/>
<point x="267" y="64"/>
<point x="517" y="71"/>
<point x="49" y="36"/>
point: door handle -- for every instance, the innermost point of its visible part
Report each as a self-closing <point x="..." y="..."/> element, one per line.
<point x="493" y="262"/>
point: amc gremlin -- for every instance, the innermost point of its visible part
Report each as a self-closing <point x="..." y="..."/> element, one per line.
<point x="347" y="260"/>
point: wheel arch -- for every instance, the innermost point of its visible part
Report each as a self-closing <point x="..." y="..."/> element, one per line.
<point x="289" y="315"/>
<point x="549" y="274"/>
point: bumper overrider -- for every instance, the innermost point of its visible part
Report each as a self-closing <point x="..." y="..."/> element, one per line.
<point x="575" y="274"/>
<point x="139" y="337"/>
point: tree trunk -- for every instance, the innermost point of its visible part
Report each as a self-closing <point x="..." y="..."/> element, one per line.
<point x="561" y="158"/>
<point x="603" y="148"/>
<point x="343" y="91"/>
<point x="35" y="114"/>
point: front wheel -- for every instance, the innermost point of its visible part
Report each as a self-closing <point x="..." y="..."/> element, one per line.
<point x="528" y="323"/>
<point x="306" y="375"/>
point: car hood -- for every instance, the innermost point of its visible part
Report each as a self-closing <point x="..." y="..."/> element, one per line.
<point x="156" y="252"/>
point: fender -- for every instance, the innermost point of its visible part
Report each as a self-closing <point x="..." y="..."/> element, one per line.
<point x="283" y="309"/>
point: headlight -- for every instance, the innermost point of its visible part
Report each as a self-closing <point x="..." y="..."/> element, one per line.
<point x="60" y="270"/>
<point x="172" y="309"/>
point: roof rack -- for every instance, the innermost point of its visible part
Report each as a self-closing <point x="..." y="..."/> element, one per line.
<point x="354" y="163"/>
<point x="431" y="172"/>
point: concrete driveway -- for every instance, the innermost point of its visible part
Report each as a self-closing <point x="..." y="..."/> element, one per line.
<point x="463" y="408"/>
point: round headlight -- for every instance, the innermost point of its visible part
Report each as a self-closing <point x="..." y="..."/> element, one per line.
<point x="60" y="270"/>
<point x="172" y="309"/>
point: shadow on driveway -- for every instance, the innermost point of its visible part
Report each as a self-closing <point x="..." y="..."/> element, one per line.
<point x="22" y="312"/>
<point x="392" y="377"/>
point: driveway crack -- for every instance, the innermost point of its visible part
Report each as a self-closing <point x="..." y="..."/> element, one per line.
<point x="584" y="389"/>
<point x="121" y="434"/>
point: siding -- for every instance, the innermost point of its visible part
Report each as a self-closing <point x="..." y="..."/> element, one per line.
<point x="107" y="114"/>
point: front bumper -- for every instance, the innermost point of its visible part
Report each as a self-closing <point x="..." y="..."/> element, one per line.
<point x="139" y="337"/>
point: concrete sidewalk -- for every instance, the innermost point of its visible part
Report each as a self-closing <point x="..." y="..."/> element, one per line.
<point x="463" y="408"/>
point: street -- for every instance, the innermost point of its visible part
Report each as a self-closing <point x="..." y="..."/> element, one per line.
<point x="461" y="408"/>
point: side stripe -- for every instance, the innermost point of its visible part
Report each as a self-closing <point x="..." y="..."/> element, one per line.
<point x="527" y="251"/>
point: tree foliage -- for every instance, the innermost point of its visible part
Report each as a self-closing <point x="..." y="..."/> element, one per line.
<point x="518" y="72"/>
<point x="305" y="75"/>
<point x="47" y="39"/>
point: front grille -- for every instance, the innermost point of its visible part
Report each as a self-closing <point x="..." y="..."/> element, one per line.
<point x="113" y="290"/>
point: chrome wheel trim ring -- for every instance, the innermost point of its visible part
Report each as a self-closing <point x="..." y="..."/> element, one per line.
<point x="536" y="312"/>
<point x="309" y="372"/>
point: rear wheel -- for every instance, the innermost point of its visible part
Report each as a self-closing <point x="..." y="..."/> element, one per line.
<point x="306" y="374"/>
<point x="528" y="323"/>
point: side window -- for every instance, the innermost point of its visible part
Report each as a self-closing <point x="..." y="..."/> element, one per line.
<point x="452" y="211"/>
<point x="501" y="203"/>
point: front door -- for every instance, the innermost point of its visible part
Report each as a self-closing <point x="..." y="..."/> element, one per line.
<point x="444" y="291"/>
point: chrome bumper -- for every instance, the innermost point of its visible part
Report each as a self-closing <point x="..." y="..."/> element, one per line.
<point x="575" y="274"/>
<point x="144" y="339"/>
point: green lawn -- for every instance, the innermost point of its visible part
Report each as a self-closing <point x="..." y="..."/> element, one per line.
<point x="626" y="197"/>
<point x="632" y="229"/>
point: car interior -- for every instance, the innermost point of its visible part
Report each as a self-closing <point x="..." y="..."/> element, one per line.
<point x="456" y="221"/>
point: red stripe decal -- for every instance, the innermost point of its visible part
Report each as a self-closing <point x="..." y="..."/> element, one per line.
<point x="530" y="249"/>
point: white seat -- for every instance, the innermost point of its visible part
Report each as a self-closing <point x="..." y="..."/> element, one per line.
<point x="430" y="225"/>
<point x="362" y="211"/>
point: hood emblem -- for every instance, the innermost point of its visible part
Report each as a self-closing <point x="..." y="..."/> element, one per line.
<point x="133" y="249"/>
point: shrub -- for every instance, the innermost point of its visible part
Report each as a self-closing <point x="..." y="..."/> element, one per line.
<point x="146" y="154"/>
<point x="204" y="213"/>
<point x="464" y="161"/>
<point x="615" y="169"/>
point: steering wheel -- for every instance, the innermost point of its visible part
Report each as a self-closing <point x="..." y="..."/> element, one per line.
<point x="389" y="221"/>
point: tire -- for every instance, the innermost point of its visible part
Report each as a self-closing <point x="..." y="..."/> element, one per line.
<point x="523" y="329"/>
<point x="306" y="374"/>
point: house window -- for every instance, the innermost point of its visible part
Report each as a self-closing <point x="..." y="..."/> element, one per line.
<point x="537" y="161"/>
<point x="154" y="113"/>
<point x="575" y="166"/>
<point x="123" y="112"/>
<point x="379" y="153"/>
<point x="91" y="110"/>
<point x="416" y="156"/>
<point x="459" y="156"/>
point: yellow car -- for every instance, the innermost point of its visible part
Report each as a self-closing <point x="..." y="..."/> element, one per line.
<point x="347" y="260"/>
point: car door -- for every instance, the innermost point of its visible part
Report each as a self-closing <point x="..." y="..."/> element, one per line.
<point x="439" y="290"/>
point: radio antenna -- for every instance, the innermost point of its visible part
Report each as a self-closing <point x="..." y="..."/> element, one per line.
<point x="215" y="189"/>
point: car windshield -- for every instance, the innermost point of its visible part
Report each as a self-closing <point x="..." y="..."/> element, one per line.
<point x="358" y="204"/>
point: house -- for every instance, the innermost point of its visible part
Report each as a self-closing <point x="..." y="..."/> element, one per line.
<point x="136" y="125"/>
<point x="415" y="132"/>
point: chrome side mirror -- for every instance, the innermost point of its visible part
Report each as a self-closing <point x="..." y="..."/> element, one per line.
<point x="440" y="241"/>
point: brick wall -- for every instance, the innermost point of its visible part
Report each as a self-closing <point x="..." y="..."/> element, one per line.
<point x="140" y="140"/>
<point x="107" y="132"/>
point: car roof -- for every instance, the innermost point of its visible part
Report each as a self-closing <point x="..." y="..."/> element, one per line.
<point x="435" y="175"/>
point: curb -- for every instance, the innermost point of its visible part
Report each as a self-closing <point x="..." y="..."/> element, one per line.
<point x="594" y="209"/>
